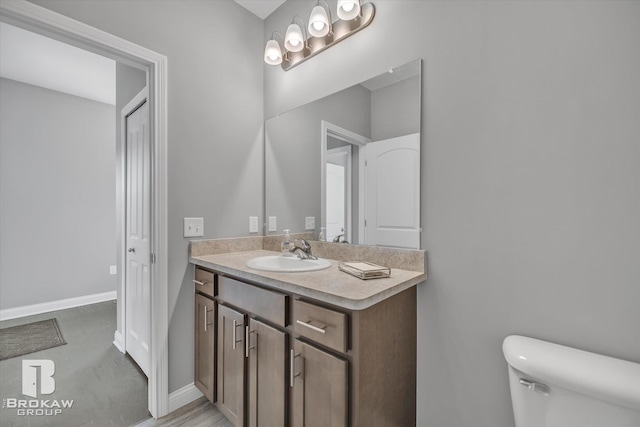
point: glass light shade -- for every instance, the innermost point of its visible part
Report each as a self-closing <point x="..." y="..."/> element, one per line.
<point x="348" y="9"/>
<point x="272" y="53"/>
<point x="318" y="22"/>
<point x="293" y="39"/>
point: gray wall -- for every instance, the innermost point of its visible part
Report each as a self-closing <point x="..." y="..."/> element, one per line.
<point x="215" y="117"/>
<point x="57" y="192"/>
<point x="292" y="153"/>
<point x="531" y="179"/>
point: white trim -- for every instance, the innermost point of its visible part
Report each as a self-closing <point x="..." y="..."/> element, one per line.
<point x="63" y="304"/>
<point x="183" y="396"/>
<point x="132" y="105"/>
<point x="44" y="21"/>
<point x="358" y="141"/>
<point x="118" y="341"/>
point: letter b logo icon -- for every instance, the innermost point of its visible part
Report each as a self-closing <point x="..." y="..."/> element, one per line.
<point x="30" y="377"/>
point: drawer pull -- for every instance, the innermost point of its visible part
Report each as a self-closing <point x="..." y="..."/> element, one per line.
<point x="308" y="324"/>
<point x="197" y="282"/>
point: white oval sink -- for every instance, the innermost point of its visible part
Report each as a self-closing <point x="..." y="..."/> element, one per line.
<point x="283" y="264"/>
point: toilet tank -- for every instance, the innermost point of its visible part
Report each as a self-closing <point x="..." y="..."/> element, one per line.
<point x="557" y="386"/>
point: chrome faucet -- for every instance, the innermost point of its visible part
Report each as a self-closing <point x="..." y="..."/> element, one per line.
<point x="337" y="238"/>
<point x="302" y="248"/>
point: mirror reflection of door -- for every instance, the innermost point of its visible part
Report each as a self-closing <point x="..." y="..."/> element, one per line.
<point x="338" y="188"/>
<point x="392" y="192"/>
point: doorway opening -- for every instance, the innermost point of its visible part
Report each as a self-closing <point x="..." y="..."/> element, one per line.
<point x="342" y="183"/>
<point x="40" y="20"/>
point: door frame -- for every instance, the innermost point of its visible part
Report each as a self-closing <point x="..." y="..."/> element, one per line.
<point x="329" y="129"/>
<point x="32" y="17"/>
<point x="120" y="336"/>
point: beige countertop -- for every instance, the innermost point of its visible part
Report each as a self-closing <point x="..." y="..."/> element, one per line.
<point x="330" y="285"/>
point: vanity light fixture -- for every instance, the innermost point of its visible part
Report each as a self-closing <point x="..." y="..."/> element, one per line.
<point x="320" y="34"/>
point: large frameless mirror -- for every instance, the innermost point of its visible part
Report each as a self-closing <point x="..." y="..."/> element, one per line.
<point x="349" y="163"/>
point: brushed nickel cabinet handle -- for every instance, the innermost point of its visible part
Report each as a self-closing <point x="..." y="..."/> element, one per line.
<point x="246" y="341"/>
<point x="235" y="325"/>
<point x="292" y="367"/>
<point x="197" y="282"/>
<point x="206" y="322"/>
<point x="308" y="324"/>
<point x="235" y="338"/>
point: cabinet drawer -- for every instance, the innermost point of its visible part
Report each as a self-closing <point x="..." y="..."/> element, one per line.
<point x="204" y="282"/>
<point x="322" y="325"/>
<point x="269" y="305"/>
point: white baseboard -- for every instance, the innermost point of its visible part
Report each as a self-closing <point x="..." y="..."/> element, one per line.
<point x="183" y="396"/>
<point x="46" y="307"/>
<point x="118" y="341"/>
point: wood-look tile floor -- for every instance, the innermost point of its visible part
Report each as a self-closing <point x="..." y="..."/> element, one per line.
<point x="107" y="387"/>
<point x="200" y="413"/>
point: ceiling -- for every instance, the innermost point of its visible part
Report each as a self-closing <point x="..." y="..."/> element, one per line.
<point x="40" y="61"/>
<point x="260" y="8"/>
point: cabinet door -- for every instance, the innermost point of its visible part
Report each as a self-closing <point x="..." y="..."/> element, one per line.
<point x="320" y="386"/>
<point x="231" y="368"/>
<point x="267" y="353"/>
<point x="204" y="375"/>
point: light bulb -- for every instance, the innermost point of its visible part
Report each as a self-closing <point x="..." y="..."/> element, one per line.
<point x="347" y="7"/>
<point x="318" y="22"/>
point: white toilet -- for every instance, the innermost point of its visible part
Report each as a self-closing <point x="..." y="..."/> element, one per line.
<point x="557" y="386"/>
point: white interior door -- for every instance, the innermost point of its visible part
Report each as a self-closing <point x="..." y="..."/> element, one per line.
<point x="392" y="180"/>
<point x="338" y="188"/>
<point x="138" y="260"/>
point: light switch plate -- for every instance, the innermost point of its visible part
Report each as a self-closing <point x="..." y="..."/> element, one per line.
<point x="253" y="224"/>
<point x="310" y="223"/>
<point x="193" y="227"/>
<point x="273" y="226"/>
<point x="113" y="269"/>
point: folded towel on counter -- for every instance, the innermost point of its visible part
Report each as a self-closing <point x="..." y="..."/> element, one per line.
<point x="364" y="270"/>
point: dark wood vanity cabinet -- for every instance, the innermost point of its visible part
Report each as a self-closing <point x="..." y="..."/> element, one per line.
<point x="286" y="360"/>
<point x="205" y="333"/>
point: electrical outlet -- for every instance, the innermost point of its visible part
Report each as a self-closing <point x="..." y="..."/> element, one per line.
<point x="193" y="227"/>
<point x="253" y="224"/>
<point x="273" y="224"/>
<point x="113" y="269"/>
<point x="310" y="223"/>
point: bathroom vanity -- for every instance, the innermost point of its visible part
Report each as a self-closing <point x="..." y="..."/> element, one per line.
<point x="318" y="348"/>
